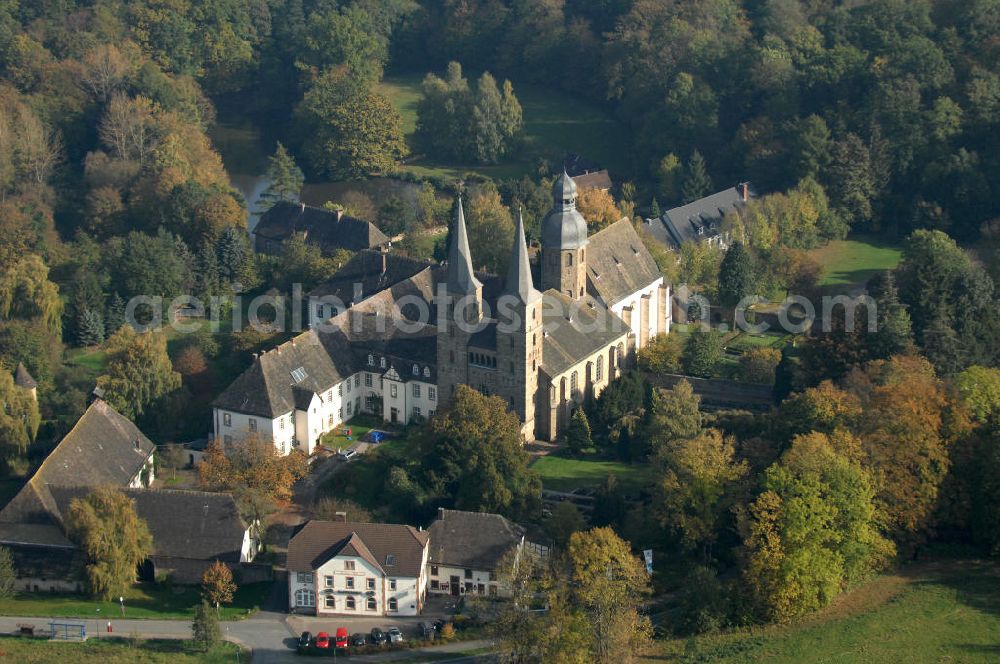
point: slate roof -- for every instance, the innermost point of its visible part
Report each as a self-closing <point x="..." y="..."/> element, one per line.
<point x="366" y="270"/>
<point x="23" y="379"/>
<point x="472" y="540"/>
<point x="681" y="224"/>
<point x="618" y="263"/>
<point x="519" y="282"/>
<point x="184" y="524"/>
<point x="563" y="226"/>
<point x="191" y="524"/>
<point x="461" y="277"/>
<point x="321" y="227"/>
<point x="103" y="447"/>
<point x="317" y="541"/>
<point x="266" y="388"/>
<point x="593" y="180"/>
<point x="574" y="330"/>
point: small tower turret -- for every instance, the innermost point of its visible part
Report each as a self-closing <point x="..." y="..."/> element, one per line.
<point x="564" y="242"/>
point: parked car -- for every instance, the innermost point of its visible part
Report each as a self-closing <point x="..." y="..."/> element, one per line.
<point x="358" y="639"/>
<point x="426" y="630"/>
<point x="377" y="636"/>
<point x="347" y="455"/>
<point x="395" y="636"/>
<point x="341" y="640"/>
<point x="305" y="641"/>
<point x="322" y="641"/>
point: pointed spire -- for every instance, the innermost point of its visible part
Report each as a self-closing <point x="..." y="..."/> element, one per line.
<point x="461" y="278"/>
<point x="519" y="282"/>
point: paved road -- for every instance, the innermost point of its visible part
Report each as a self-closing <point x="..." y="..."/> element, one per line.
<point x="268" y="635"/>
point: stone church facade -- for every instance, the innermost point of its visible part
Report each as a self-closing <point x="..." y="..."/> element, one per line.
<point x="548" y="336"/>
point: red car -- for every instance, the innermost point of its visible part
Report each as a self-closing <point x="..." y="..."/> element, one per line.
<point x="322" y="641"/>
<point x="341" y="640"/>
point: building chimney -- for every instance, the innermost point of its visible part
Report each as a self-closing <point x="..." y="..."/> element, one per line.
<point x="745" y="191"/>
<point x="383" y="262"/>
<point x="341" y="516"/>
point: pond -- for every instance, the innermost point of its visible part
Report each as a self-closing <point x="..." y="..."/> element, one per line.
<point x="245" y="157"/>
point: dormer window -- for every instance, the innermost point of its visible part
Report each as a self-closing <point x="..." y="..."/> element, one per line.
<point x="381" y="362"/>
<point x="416" y="370"/>
<point x="427" y="372"/>
<point x="371" y="360"/>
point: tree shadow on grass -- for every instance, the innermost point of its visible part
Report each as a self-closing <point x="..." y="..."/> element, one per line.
<point x="975" y="582"/>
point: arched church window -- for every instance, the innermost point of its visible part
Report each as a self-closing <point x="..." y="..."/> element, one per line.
<point x="569" y="260"/>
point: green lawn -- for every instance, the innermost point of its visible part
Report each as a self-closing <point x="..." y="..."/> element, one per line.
<point x="359" y="426"/>
<point x="143" y="601"/>
<point x="564" y="474"/>
<point x="91" y="360"/>
<point x="854" y="261"/>
<point x="113" y="651"/>
<point x="554" y="125"/>
<point x="943" y="612"/>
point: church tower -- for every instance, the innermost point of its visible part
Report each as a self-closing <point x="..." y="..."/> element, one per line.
<point x="564" y="242"/>
<point x="519" y="334"/>
<point x="463" y="303"/>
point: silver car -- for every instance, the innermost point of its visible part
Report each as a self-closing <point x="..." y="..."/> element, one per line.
<point x="395" y="636"/>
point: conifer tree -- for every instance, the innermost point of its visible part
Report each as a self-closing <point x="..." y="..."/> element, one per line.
<point x="285" y="179"/>
<point x="89" y="327"/>
<point x="205" y="628"/>
<point x="114" y="317"/>
<point x="736" y="275"/>
<point x="697" y="183"/>
<point x="578" y="433"/>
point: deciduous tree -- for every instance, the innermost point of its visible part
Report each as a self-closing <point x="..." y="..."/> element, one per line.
<point x="113" y="538"/>
<point x="597" y="207"/>
<point x="698" y="487"/>
<point x="812" y="531"/>
<point x="251" y="463"/>
<point x="702" y="353"/>
<point x="217" y="585"/>
<point x="608" y="582"/>
<point x="472" y="451"/>
<point x="139" y="371"/>
<point x="8" y="575"/>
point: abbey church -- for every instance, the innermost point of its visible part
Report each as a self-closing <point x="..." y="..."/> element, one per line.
<point x="393" y="337"/>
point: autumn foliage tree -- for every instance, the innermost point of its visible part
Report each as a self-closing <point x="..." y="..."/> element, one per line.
<point x="217" y="585"/>
<point x="254" y="466"/>
<point x="811" y="532"/>
<point x="113" y="538"/>
<point x="607" y="582"/>
<point x="598" y="207"/>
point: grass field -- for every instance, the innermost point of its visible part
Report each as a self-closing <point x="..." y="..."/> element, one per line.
<point x="565" y="474"/>
<point x="854" y="261"/>
<point x="554" y="125"/>
<point x="143" y="601"/>
<point x="338" y="438"/>
<point x="936" y="612"/>
<point x="113" y="651"/>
